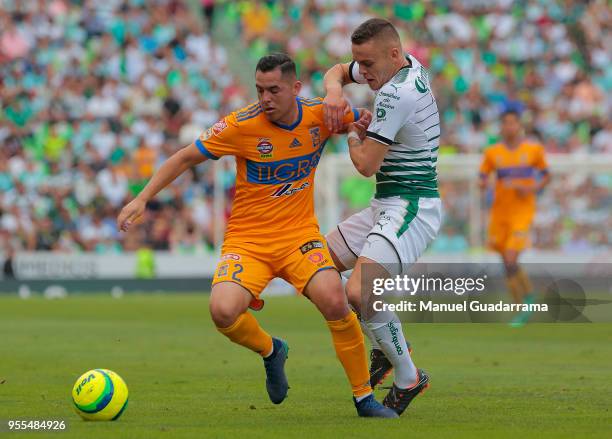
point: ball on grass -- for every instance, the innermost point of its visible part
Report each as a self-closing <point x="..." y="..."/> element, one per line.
<point x="100" y="395"/>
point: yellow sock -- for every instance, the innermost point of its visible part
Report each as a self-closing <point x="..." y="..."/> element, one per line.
<point x="350" y="349"/>
<point x="246" y="332"/>
<point x="515" y="287"/>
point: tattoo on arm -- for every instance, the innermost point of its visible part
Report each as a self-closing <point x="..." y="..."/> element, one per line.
<point x="354" y="142"/>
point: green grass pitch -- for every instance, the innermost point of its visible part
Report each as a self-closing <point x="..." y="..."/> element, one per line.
<point x="186" y="380"/>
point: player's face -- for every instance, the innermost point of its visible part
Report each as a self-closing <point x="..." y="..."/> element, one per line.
<point x="376" y="61"/>
<point x="510" y="126"/>
<point x="276" y="93"/>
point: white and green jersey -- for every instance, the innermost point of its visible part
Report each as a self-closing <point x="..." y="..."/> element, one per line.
<point x="406" y="119"/>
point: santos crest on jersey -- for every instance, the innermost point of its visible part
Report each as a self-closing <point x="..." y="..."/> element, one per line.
<point x="407" y="120"/>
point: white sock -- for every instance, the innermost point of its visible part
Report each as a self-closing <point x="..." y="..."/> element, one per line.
<point x="366" y="330"/>
<point x="362" y="397"/>
<point x="387" y="330"/>
<point x="271" y="352"/>
<point x="362" y="323"/>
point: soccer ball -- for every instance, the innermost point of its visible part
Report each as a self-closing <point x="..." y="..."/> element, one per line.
<point x="100" y="395"/>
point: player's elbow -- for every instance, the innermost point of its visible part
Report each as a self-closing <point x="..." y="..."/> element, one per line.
<point x="368" y="172"/>
<point x="337" y="73"/>
<point x="367" y="169"/>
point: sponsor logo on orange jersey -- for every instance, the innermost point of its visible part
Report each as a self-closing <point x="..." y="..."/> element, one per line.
<point x="265" y="148"/>
<point x="287" y="189"/>
<point x="311" y="245"/>
<point x="222" y="272"/>
<point x="318" y="258"/>
<point x="232" y="256"/>
<point x="219" y="127"/>
<point x="282" y="171"/>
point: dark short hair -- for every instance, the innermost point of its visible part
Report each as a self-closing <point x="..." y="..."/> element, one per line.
<point x="277" y="60"/>
<point x="510" y="112"/>
<point x="372" y="28"/>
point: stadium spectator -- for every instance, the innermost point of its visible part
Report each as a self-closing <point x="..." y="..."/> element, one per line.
<point x="88" y="89"/>
<point x="547" y="60"/>
<point x="8" y="270"/>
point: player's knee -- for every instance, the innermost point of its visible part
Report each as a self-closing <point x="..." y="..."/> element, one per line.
<point x="511" y="267"/>
<point x="335" y="306"/>
<point x="224" y="314"/>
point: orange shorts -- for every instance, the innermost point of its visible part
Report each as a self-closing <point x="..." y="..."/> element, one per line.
<point x="254" y="266"/>
<point x="507" y="235"/>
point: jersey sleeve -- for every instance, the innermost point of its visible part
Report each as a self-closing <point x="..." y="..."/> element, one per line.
<point x="351" y="116"/>
<point x="354" y="73"/>
<point x="487" y="165"/>
<point x="391" y="110"/>
<point x="223" y="138"/>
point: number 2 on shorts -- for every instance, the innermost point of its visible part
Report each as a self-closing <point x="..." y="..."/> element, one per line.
<point x="235" y="274"/>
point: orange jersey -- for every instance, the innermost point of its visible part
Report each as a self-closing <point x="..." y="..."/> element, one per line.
<point x="275" y="167"/>
<point x="514" y="167"/>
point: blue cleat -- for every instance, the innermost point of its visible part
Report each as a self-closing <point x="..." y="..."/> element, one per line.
<point x="276" y="380"/>
<point x="370" y="408"/>
<point x="522" y="317"/>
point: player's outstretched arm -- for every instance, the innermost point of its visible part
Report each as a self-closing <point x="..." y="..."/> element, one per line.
<point x="483" y="180"/>
<point x="335" y="105"/>
<point x="366" y="154"/>
<point x="178" y="163"/>
<point x="543" y="182"/>
<point x="486" y="167"/>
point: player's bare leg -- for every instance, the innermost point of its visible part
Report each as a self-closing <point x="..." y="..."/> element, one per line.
<point x="387" y="329"/>
<point x="510" y="259"/>
<point x="519" y="285"/>
<point x="325" y="291"/>
<point x="228" y="307"/>
<point x="228" y="301"/>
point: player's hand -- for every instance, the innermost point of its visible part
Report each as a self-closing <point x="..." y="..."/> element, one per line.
<point x="365" y="118"/>
<point x="364" y="121"/>
<point x="525" y="190"/>
<point x="522" y="189"/>
<point x="130" y="214"/>
<point x="334" y="108"/>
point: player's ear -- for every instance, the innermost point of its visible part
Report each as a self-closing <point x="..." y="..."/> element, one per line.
<point x="297" y="87"/>
<point x="396" y="52"/>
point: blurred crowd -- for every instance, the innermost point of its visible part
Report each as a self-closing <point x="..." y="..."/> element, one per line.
<point x="549" y="60"/>
<point x="96" y="94"/>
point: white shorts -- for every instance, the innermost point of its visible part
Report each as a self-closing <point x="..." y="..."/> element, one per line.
<point x="391" y="231"/>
